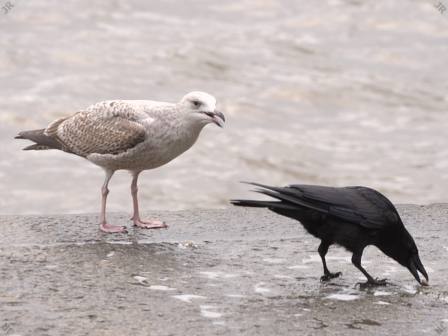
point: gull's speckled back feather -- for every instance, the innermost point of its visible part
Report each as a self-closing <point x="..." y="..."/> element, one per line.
<point x="104" y="128"/>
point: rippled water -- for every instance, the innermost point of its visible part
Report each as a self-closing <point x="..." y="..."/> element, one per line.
<point x="336" y="92"/>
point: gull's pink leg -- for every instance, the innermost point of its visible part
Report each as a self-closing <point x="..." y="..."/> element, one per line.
<point x="145" y="224"/>
<point x="104" y="226"/>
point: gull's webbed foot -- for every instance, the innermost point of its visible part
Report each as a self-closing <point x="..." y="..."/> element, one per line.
<point x="150" y="224"/>
<point x="113" y="228"/>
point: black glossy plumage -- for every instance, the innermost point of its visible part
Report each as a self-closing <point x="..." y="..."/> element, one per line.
<point x="352" y="217"/>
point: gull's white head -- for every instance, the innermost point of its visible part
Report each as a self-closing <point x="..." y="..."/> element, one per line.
<point x="201" y="107"/>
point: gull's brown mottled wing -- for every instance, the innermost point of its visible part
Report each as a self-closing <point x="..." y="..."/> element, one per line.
<point x="88" y="132"/>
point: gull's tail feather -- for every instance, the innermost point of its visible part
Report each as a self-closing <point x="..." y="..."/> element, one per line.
<point x="41" y="141"/>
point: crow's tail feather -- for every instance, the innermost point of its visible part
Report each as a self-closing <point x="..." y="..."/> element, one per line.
<point x="263" y="204"/>
<point x="287" y="198"/>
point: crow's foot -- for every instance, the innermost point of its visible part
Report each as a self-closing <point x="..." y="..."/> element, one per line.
<point x="330" y="276"/>
<point x="373" y="283"/>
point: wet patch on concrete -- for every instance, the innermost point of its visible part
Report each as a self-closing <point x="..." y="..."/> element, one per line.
<point x="223" y="272"/>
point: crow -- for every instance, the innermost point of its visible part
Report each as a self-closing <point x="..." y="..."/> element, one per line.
<point x="352" y="217"/>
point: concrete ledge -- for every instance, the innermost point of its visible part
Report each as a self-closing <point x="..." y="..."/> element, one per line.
<point x="213" y="272"/>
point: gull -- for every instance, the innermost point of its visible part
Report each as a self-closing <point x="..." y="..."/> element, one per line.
<point x="133" y="135"/>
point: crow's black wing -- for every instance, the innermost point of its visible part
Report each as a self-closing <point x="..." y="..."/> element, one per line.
<point x="359" y="205"/>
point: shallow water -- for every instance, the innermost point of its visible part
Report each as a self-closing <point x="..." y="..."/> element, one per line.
<point x="337" y="92"/>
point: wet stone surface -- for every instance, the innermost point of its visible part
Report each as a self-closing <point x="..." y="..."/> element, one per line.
<point x="213" y="272"/>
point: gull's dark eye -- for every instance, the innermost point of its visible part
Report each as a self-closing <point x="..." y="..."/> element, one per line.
<point x="196" y="103"/>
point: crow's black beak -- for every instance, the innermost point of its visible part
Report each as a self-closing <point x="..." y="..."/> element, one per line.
<point x="415" y="265"/>
<point x="217" y="117"/>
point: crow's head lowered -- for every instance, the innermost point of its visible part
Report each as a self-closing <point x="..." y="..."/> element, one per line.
<point x="400" y="246"/>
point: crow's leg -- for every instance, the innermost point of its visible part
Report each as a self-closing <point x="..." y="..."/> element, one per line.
<point x="104" y="226"/>
<point x="323" y="249"/>
<point x="145" y="224"/>
<point x="356" y="260"/>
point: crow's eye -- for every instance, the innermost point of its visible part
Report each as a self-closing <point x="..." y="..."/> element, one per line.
<point x="196" y="103"/>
